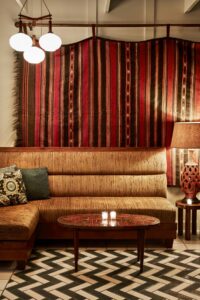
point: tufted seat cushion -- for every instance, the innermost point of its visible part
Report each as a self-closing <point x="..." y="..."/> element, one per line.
<point x="55" y="207"/>
<point x="18" y="222"/>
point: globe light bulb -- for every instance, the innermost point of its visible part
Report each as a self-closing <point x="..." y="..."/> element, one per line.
<point x="34" y="55"/>
<point x="20" y="41"/>
<point x="50" y="42"/>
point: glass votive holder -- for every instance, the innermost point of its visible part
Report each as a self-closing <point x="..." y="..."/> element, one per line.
<point x="112" y="223"/>
<point x="113" y="215"/>
<point x="104" y="222"/>
<point x="104" y="215"/>
<point x="189" y="201"/>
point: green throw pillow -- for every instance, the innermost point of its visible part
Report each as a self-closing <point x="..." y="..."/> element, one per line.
<point x="36" y="183"/>
<point x="12" y="189"/>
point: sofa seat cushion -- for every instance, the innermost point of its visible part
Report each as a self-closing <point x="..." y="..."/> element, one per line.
<point x="18" y="222"/>
<point x="55" y="207"/>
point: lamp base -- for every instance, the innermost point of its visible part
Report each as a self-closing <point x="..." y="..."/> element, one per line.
<point x="190" y="182"/>
<point x="190" y="201"/>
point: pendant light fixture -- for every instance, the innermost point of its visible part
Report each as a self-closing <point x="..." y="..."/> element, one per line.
<point x="20" y="41"/>
<point x="50" y="41"/>
<point x="34" y="54"/>
<point x="23" y="42"/>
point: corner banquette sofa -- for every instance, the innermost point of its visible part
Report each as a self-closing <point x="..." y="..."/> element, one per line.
<point x="128" y="180"/>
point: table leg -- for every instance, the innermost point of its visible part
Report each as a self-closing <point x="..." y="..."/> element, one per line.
<point x="187" y="224"/>
<point x="76" y="248"/>
<point x="194" y="221"/>
<point x="140" y="247"/>
<point x="180" y="221"/>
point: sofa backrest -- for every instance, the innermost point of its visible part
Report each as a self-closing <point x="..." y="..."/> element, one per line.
<point x="96" y="171"/>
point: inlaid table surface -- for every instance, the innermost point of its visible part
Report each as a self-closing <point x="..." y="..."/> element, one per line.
<point x="95" y="221"/>
<point x="140" y="223"/>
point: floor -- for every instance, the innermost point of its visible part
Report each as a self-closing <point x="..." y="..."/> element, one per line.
<point x="6" y="268"/>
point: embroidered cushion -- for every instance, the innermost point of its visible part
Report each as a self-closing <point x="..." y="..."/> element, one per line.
<point x="36" y="183"/>
<point x="12" y="189"/>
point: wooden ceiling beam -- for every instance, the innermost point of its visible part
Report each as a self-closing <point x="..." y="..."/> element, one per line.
<point x="189" y="5"/>
<point x="107" y="6"/>
<point x="20" y="3"/>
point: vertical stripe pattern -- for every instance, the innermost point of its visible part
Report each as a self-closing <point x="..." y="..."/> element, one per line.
<point x="104" y="93"/>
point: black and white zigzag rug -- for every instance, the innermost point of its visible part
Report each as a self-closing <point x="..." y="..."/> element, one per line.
<point x="110" y="274"/>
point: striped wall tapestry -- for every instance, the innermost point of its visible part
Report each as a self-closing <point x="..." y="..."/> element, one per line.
<point x="104" y="93"/>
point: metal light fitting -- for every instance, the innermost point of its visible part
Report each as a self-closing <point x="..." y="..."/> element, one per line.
<point x="22" y="42"/>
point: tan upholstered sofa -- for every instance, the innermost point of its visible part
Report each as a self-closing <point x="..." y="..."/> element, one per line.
<point x="86" y="180"/>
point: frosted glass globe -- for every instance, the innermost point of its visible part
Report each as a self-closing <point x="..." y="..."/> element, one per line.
<point x="34" y="55"/>
<point x="20" y="41"/>
<point x="50" y="42"/>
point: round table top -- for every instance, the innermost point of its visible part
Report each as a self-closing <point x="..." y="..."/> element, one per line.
<point x="95" y="221"/>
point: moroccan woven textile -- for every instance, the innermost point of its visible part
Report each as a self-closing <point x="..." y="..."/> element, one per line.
<point x="100" y="92"/>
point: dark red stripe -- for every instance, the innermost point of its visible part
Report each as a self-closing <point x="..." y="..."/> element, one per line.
<point x="30" y="106"/>
<point x="171" y="57"/>
<point x="122" y="96"/>
<point x="142" y="93"/>
<point x="113" y="94"/>
<point x="76" y="117"/>
<point x="85" y="93"/>
<point x="103" y="92"/>
<point x="24" y="110"/>
<point x="197" y="84"/>
<point x="37" y="104"/>
<point x="56" y="99"/>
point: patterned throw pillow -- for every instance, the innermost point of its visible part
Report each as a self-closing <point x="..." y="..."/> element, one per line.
<point x="12" y="189"/>
<point x="12" y="168"/>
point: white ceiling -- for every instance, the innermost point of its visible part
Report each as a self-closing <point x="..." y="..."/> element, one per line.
<point x="187" y="5"/>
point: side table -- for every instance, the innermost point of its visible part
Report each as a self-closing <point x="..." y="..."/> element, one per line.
<point x="188" y="208"/>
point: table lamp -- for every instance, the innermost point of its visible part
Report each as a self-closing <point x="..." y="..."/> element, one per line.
<point x="186" y="135"/>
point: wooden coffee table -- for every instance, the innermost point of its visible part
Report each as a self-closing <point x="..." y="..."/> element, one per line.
<point x="79" y="222"/>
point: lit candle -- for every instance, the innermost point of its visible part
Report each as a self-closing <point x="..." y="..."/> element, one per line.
<point x="189" y="201"/>
<point x="104" y="222"/>
<point x="113" y="215"/>
<point x="104" y="215"/>
<point x="112" y="223"/>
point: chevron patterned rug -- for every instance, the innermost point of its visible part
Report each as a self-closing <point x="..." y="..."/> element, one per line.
<point x="110" y="274"/>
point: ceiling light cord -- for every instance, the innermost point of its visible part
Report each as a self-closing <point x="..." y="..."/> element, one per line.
<point x="22" y="7"/>
<point x="46" y="6"/>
